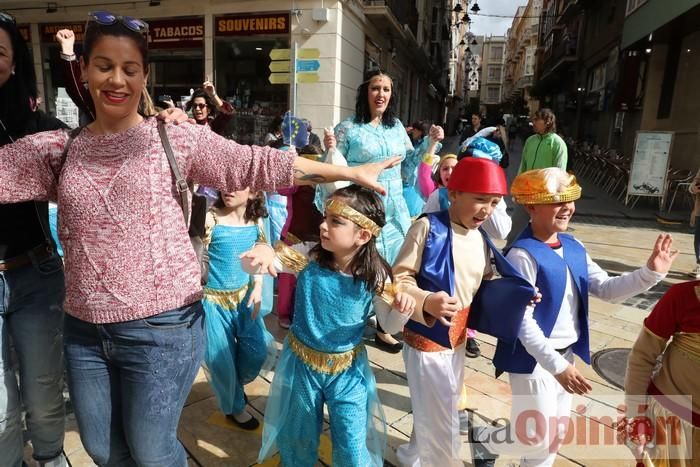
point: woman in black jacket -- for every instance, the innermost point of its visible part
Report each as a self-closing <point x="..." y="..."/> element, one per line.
<point x="31" y="282"/>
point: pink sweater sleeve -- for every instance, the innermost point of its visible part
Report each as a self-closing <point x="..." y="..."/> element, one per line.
<point x="29" y="167"/>
<point x="425" y="179"/>
<point x="228" y="166"/>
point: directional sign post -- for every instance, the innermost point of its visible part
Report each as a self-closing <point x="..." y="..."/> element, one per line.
<point x="292" y="66"/>
<point x="308" y="65"/>
<point x="309" y="53"/>
<point x="280" y="66"/>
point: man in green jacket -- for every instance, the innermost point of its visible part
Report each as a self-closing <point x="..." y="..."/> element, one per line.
<point x="543" y="149"/>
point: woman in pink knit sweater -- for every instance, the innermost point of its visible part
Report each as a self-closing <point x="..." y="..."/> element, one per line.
<point x="134" y="322"/>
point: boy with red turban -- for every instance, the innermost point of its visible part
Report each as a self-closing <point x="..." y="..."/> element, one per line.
<point x="441" y="264"/>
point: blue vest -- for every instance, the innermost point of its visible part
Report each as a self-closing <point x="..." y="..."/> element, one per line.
<point x="551" y="281"/>
<point x="437" y="273"/>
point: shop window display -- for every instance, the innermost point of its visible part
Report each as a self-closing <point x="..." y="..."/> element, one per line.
<point x="242" y="70"/>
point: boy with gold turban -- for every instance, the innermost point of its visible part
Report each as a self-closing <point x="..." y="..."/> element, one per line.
<point x="540" y="365"/>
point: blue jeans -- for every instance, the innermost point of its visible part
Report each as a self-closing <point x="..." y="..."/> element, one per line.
<point x="128" y="383"/>
<point x="31" y="321"/>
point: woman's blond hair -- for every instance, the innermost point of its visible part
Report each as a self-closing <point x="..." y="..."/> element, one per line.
<point x="146" y="107"/>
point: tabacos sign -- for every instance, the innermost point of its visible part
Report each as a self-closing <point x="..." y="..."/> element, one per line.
<point x="48" y="31"/>
<point x="176" y="33"/>
<point x="248" y="25"/>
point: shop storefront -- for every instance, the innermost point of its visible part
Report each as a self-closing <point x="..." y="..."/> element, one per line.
<point x="242" y="59"/>
<point x="176" y="49"/>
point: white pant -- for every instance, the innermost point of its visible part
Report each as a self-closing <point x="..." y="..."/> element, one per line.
<point x="435" y="381"/>
<point x="539" y="420"/>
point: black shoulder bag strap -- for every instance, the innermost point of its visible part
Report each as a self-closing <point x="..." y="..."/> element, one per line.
<point x="180" y="182"/>
<point x="41" y="208"/>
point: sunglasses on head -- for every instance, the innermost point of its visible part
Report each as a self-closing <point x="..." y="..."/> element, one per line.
<point x="7" y="18"/>
<point x="105" y="18"/>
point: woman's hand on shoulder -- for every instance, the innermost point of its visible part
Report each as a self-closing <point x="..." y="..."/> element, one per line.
<point x="174" y="115"/>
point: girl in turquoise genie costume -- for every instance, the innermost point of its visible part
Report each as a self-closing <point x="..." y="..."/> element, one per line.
<point x="323" y="359"/>
<point x="375" y="134"/>
<point x="237" y="340"/>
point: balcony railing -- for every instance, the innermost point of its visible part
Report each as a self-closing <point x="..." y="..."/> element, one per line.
<point x="405" y="12"/>
<point x="564" y="52"/>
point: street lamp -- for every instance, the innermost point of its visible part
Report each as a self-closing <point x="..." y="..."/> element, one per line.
<point x="458" y="8"/>
<point x="475" y="8"/>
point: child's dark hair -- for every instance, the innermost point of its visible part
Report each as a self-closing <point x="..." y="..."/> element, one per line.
<point x="362" y="112"/>
<point x="255" y="207"/>
<point x="367" y="265"/>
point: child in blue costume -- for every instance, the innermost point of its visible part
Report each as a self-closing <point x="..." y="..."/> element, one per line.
<point x="375" y="134"/>
<point x="323" y="359"/>
<point x="237" y="340"/>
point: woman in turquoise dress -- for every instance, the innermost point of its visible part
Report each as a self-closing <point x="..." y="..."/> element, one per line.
<point x="238" y="343"/>
<point x="323" y="359"/>
<point x="375" y="134"/>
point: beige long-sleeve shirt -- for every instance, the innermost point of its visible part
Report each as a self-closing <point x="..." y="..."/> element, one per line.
<point x="676" y="318"/>
<point x="471" y="260"/>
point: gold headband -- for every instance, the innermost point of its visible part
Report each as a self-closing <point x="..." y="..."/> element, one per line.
<point x="338" y="208"/>
<point x="447" y="157"/>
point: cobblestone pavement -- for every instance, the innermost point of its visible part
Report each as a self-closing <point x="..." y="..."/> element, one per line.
<point x="615" y="244"/>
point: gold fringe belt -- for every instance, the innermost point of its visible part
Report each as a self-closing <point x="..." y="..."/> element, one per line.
<point x="323" y="362"/>
<point x="689" y="344"/>
<point x="229" y="299"/>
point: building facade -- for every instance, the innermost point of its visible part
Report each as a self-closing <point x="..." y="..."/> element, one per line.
<point x="521" y="50"/>
<point x="659" y="74"/>
<point x="233" y="42"/>
<point x="492" y="70"/>
<point x="557" y="64"/>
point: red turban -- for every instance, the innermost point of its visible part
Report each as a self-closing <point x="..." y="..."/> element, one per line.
<point x="474" y="175"/>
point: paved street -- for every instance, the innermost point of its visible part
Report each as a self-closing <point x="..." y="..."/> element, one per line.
<point x="212" y="441"/>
